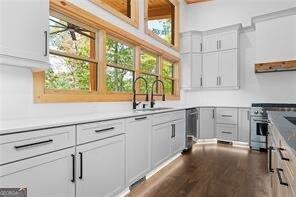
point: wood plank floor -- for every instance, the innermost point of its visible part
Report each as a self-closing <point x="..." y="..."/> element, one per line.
<point x="212" y="170"/>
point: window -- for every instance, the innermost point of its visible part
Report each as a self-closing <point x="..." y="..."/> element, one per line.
<point x="72" y="56"/>
<point x="149" y="70"/>
<point x="168" y="76"/>
<point x="90" y="62"/>
<point x="120" y="66"/>
<point x="162" y="20"/>
<point x="124" y="9"/>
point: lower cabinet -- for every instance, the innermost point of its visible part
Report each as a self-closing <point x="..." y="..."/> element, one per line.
<point x="207" y="123"/>
<point x="167" y="140"/>
<point x="43" y="176"/>
<point x="244" y="125"/>
<point x="137" y="148"/>
<point x="227" y="132"/>
<point x="100" y="167"/>
<point x="178" y="136"/>
<point x="160" y="143"/>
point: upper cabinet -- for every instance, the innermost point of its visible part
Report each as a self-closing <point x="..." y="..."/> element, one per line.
<point x="210" y="59"/>
<point x="24" y="33"/>
<point x="276" y="40"/>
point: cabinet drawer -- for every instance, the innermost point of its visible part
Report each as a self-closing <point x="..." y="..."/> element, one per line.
<point x="95" y="131"/>
<point x="226" y="132"/>
<point x="24" y="145"/>
<point x="160" y="118"/>
<point x="226" y="115"/>
<point x="177" y="115"/>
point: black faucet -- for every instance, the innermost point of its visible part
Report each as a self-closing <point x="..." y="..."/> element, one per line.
<point x="152" y="103"/>
<point x="135" y="103"/>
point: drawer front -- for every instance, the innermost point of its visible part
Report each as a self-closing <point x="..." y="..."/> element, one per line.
<point x="24" y="145"/>
<point x="96" y="131"/>
<point x="226" y="115"/>
<point x="226" y="132"/>
<point x="177" y="115"/>
<point x="161" y="118"/>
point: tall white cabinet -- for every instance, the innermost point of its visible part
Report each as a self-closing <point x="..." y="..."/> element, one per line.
<point x="24" y="33"/>
<point x="191" y="60"/>
<point x="216" y="64"/>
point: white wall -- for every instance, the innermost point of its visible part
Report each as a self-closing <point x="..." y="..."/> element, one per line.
<point x="267" y="87"/>
<point x="16" y="84"/>
<point x="220" y="13"/>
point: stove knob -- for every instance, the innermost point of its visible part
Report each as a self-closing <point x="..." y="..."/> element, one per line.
<point x="256" y="112"/>
<point x="261" y="112"/>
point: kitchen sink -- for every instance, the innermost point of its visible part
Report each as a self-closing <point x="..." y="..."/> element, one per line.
<point x="152" y="109"/>
<point x="292" y="120"/>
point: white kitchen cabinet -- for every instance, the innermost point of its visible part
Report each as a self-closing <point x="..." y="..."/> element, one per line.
<point x="210" y="43"/>
<point x="191" y="42"/>
<point x="220" y="69"/>
<point x="101" y="167"/>
<point x="24" y="33"/>
<point x="228" y="69"/>
<point x="210" y="68"/>
<point x="207" y="123"/>
<point x="160" y="143"/>
<point x="223" y="40"/>
<point x="138" y="150"/>
<point x="43" y="176"/>
<point x="276" y="40"/>
<point x="178" y="136"/>
<point x="244" y="125"/>
<point x="191" y="70"/>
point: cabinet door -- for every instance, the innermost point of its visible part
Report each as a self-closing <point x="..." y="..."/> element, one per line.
<point x="244" y="125"/>
<point x="24" y="29"/>
<point x="138" y="132"/>
<point x="186" y="70"/>
<point x="185" y="43"/>
<point x="101" y="167"/>
<point x="196" y="72"/>
<point x="210" y="70"/>
<point x="210" y="43"/>
<point x="160" y="143"/>
<point x="43" y="176"/>
<point x="207" y="123"/>
<point x="228" y="68"/>
<point x="228" y="40"/>
<point x="178" y="136"/>
<point x="196" y="45"/>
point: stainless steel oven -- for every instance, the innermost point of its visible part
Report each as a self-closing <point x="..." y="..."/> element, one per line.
<point x="259" y="130"/>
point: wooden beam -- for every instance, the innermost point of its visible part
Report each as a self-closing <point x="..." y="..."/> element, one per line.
<point x="195" y="1"/>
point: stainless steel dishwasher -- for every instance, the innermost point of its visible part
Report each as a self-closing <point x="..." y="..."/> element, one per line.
<point x="192" y="126"/>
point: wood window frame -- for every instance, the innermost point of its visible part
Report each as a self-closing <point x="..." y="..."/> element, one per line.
<point x="173" y="78"/>
<point x="103" y="28"/>
<point x="175" y="26"/>
<point x="134" y="13"/>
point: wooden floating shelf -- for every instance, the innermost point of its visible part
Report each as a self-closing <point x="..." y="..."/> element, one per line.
<point x="276" y="66"/>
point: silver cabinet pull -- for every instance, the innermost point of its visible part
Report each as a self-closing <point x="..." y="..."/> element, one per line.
<point x="201" y="81"/>
<point x="213" y="113"/>
<point x="281" y="154"/>
<point x="217" y="81"/>
<point x="45" y="43"/>
<point x="33" y="144"/>
<point x="248" y="115"/>
<point x="200" y="47"/>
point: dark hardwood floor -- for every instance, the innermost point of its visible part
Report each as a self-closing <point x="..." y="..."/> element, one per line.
<point x="212" y="170"/>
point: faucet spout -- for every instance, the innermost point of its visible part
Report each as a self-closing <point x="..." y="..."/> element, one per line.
<point x="152" y="102"/>
<point x="135" y="103"/>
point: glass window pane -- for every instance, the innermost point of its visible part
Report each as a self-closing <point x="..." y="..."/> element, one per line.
<point x="119" y="80"/>
<point x="148" y="63"/>
<point x="69" y="38"/>
<point x="150" y="79"/>
<point x="168" y="86"/>
<point x="119" y="54"/>
<point x="168" y="69"/>
<point x="161" y="19"/>
<point x="67" y="74"/>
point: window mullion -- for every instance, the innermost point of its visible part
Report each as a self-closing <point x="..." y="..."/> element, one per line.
<point x="102" y="62"/>
<point x="137" y="66"/>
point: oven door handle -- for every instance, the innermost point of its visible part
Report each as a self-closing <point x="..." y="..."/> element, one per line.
<point x="261" y="120"/>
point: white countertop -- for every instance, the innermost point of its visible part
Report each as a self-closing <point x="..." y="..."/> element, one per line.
<point x="18" y="125"/>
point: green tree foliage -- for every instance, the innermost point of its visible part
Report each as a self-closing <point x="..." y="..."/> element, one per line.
<point x="119" y="54"/>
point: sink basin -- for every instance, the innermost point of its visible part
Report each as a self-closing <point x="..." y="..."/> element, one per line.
<point x="152" y="109"/>
<point x="292" y="120"/>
